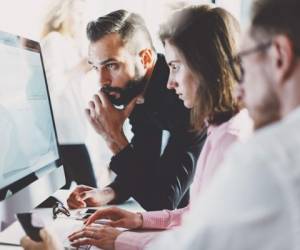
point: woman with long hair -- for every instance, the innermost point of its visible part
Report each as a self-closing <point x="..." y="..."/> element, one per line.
<point x="199" y="42"/>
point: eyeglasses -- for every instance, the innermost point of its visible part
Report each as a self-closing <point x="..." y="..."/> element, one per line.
<point x="236" y="62"/>
<point x="59" y="208"/>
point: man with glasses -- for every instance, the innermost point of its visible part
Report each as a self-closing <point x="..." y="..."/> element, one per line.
<point x="266" y="112"/>
<point x="254" y="201"/>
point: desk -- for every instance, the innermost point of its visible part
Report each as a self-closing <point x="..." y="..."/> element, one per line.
<point x="14" y="232"/>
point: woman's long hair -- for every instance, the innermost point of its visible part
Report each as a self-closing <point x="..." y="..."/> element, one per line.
<point x="206" y="37"/>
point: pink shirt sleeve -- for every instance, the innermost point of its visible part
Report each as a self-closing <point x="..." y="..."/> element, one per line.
<point x="164" y="219"/>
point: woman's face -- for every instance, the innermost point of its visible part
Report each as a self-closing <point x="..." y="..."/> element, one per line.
<point x="181" y="78"/>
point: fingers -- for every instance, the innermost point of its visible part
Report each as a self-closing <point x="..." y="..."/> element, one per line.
<point x="44" y="234"/>
<point x="74" y="204"/>
<point x="86" y="236"/>
<point x="88" y="114"/>
<point x="92" y="109"/>
<point x="105" y="101"/>
<point x="108" y="213"/>
<point x="26" y="242"/>
<point x="74" y="200"/>
<point x="85" y="241"/>
<point x="86" y="195"/>
<point x="97" y="103"/>
<point x="87" y="232"/>
<point x="95" y="216"/>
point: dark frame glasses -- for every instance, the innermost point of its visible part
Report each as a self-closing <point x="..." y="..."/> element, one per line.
<point x="236" y="62"/>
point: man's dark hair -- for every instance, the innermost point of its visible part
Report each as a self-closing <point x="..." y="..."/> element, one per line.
<point x="273" y="17"/>
<point x="130" y="26"/>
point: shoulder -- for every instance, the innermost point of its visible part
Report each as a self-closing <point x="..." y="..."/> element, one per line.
<point x="238" y="128"/>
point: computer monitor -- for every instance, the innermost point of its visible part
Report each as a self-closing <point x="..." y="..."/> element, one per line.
<point x="30" y="166"/>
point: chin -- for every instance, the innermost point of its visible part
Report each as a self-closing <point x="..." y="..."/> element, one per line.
<point x="188" y="104"/>
<point x="263" y="119"/>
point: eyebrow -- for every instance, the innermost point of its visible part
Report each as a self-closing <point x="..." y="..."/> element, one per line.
<point x="109" y="60"/>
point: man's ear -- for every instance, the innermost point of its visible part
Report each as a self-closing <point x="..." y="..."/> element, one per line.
<point x="284" y="55"/>
<point x="147" y="58"/>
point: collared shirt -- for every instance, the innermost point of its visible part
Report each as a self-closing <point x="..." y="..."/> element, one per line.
<point x="157" y="173"/>
<point x="254" y="201"/>
<point x="219" y="139"/>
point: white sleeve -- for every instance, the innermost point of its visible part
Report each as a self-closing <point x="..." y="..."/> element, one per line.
<point x="241" y="210"/>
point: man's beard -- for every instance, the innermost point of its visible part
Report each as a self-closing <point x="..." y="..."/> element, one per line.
<point x="132" y="89"/>
<point x="268" y="112"/>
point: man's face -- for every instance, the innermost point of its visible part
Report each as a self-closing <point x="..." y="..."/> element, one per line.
<point x="121" y="73"/>
<point x="258" y="86"/>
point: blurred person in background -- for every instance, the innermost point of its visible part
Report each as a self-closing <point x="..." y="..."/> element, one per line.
<point x="61" y="41"/>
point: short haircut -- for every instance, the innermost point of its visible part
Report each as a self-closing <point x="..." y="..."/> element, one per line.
<point x="130" y="26"/>
<point x="273" y="17"/>
<point x="204" y="35"/>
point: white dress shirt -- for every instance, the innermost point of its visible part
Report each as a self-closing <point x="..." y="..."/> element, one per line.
<point x="253" y="203"/>
<point x="60" y="55"/>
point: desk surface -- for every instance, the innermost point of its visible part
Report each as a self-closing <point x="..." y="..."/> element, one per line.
<point x="14" y="233"/>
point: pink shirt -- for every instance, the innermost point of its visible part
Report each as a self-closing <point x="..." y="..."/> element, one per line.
<point x="219" y="138"/>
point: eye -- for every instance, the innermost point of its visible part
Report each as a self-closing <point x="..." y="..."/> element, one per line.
<point x="174" y="67"/>
<point x="112" y="66"/>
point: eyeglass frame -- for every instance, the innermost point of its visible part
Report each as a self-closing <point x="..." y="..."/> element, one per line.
<point x="60" y="208"/>
<point x="238" y="59"/>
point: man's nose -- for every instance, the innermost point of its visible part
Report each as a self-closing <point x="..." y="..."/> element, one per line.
<point x="103" y="78"/>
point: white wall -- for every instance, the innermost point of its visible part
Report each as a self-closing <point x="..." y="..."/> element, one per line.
<point x="22" y="17"/>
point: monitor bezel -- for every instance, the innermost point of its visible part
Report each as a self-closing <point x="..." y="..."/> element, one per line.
<point x="31" y="45"/>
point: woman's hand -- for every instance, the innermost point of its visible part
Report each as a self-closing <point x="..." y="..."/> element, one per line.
<point x="119" y="218"/>
<point x="103" y="237"/>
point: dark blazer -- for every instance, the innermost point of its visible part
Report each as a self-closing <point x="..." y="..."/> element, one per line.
<point x="156" y="178"/>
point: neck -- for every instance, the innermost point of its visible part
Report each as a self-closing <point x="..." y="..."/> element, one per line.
<point x="290" y="99"/>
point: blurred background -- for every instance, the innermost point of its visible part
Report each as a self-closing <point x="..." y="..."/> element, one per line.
<point x="25" y="17"/>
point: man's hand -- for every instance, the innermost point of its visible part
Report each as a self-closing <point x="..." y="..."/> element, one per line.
<point x="85" y="196"/>
<point x="100" y="236"/>
<point x="108" y="121"/>
<point x="49" y="242"/>
<point x="119" y="218"/>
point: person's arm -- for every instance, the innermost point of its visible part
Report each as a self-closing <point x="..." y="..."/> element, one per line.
<point x="156" y="182"/>
<point x="238" y="211"/>
<point x="164" y="219"/>
<point x="50" y="241"/>
<point x="135" y="154"/>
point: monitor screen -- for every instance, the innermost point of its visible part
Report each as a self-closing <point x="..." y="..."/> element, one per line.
<point x="27" y="134"/>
